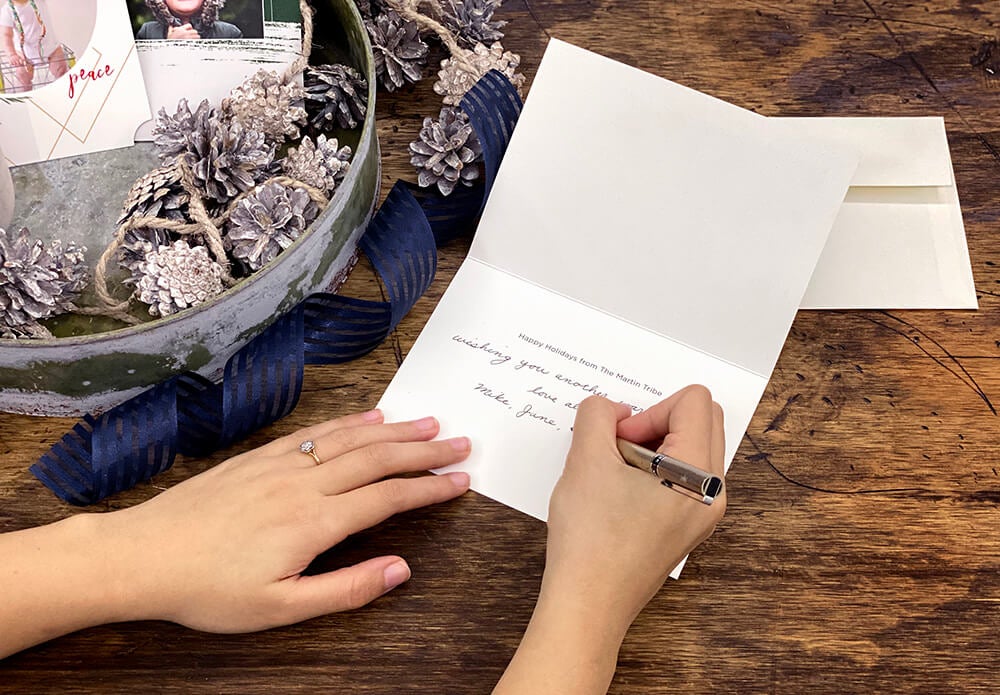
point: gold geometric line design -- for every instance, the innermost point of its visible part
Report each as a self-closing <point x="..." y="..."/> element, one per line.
<point x="64" y="128"/>
<point x="62" y="125"/>
<point x="108" y="95"/>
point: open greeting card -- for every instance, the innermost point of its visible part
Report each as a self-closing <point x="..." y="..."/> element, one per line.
<point x="630" y="247"/>
<point x="70" y="81"/>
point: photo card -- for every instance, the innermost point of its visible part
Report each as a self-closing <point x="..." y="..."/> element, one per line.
<point x="70" y="79"/>
<point x="201" y="49"/>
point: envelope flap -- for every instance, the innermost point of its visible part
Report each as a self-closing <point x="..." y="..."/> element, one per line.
<point x="908" y="151"/>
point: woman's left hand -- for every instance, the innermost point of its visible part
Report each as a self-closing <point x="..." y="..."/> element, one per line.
<point x="225" y="550"/>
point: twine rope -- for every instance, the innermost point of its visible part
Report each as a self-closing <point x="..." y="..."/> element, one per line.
<point x="204" y="225"/>
<point x="300" y="64"/>
<point x="410" y="9"/>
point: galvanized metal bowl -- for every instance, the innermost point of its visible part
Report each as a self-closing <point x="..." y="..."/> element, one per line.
<point x="88" y="369"/>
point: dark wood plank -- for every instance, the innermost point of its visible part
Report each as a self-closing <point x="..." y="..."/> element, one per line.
<point x="858" y="553"/>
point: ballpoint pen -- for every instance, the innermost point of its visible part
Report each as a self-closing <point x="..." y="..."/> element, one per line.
<point x="672" y="472"/>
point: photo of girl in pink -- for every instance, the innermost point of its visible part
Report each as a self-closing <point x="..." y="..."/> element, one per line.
<point x="31" y="53"/>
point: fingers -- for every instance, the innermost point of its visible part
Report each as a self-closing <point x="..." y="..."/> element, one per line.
<point x="717" y="464"/>
<point x="185" y="31"/>
<point x="651" y="424"/>
<point x="381" y="460"/>
<point x="290" y="443"/>
<point x="344" y="589"/>
<point x="343" y="435"/>
<point x="350" y="439"/>
<point x="684" y="423"/>
<point x="372" y="504"/>
<point x="335" y="439"/>
<point x="595" y="425"/>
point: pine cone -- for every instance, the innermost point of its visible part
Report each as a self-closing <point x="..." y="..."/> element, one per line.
<point x="266" y="103"/>
<point x="320" y="165"/>
<point x="267" y="221"/>
<point x="36" y="282"/>
<point x="172" y="132"/>
<point x="399" y="53"/>
<point x="341" y="94"/>
<point x="454" y="78"/>
<point x="136" y="245"/>
<point x="177" y="277"/>
<point x="445" y="150"/>
<point x="226" y="158"/>
<point x="471" y="21"/>
<point x="157" y="194"/>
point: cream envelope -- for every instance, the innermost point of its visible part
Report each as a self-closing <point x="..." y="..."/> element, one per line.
<point x="898" y="241"/>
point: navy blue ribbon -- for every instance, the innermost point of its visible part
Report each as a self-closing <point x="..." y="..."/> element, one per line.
<point x="261" y="383"/>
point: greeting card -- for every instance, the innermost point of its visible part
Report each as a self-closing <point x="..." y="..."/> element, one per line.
<point x="70" y="81"/>
<point x="687" y="266"/>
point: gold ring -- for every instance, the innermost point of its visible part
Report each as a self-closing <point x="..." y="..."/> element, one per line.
<point x="307" y="447"/>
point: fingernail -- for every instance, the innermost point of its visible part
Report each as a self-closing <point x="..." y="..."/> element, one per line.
<point x="460" y="443"/>
<point x="427" y="423"/>
<point x="459" y="480"/>
<point x="395" y="574"/>
<point x="372" y="416"/>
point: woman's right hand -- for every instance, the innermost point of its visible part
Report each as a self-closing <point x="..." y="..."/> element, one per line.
<point x="615" y="533"/>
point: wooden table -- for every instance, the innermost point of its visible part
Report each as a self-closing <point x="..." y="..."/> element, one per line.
<point x="860" y="551"/>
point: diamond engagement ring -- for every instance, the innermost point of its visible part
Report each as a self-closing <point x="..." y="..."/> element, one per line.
<point x="307" y="447"/>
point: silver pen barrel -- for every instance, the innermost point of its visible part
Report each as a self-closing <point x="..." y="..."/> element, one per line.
<point x="671" y="471"/>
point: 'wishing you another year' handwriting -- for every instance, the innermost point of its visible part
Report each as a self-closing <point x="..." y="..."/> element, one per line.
<point x="542" y="402"/>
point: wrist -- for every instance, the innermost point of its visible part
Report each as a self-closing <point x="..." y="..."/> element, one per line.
<point x="64" y="577"/>
<point x="582" y="612"/>
<point x="114" y="583"/>
<point x="563" y="651"/>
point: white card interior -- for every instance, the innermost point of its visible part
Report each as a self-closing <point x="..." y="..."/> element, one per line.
<point x="629" y="247"/>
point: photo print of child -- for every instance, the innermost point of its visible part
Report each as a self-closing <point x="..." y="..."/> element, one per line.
<point x="197" y="19"/>
<point x="31" y="54"/>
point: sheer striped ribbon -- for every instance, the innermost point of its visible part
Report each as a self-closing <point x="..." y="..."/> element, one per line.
<point x="261" y="383"/>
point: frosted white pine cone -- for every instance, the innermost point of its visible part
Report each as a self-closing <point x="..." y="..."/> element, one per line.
<point x="446" y="151"/>
<point x="320" y="164"/>
<point x="267" y="221"/>
<point x="455" y="78"/>
<point x="266" y="103"/>
<point x="176" y="277"/>
<point x="36" y="282"/>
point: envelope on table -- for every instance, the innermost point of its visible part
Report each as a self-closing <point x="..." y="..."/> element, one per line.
<point x="898" y="241"/>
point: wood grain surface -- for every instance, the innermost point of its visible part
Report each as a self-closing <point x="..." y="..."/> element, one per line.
<point x="859" y="553"/>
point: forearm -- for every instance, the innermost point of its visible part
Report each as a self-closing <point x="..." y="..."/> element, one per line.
<point x="60" y="578"/>
<point x="7" y="41"/>
<point x="569" y="647"/>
